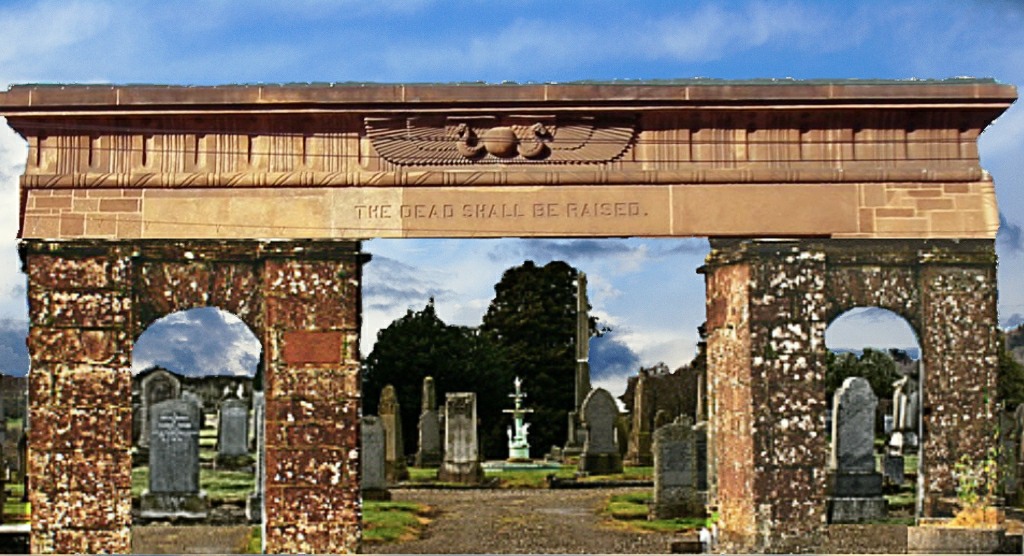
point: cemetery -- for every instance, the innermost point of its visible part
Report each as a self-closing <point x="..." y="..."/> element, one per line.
<point x="817" y="198"/>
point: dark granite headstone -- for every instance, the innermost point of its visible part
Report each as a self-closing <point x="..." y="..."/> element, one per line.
<point x="373" y="477"/>
<point x="601" y="450"/>
<point x="174" y="462"/>
<point x="675" y="472"/>
<point x="233" y="435"/>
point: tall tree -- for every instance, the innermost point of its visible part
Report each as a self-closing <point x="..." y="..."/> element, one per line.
<point x="533" y="318"/>
<point x="420" y="344"/>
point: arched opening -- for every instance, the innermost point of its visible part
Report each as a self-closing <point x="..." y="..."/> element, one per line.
<point x="196" y="433"/>
<point x="873" y="387"/>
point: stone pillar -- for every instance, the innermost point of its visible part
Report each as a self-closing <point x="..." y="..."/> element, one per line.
<point x="766" y="369"/>
<point x="639" y="452"/>
<point x="428" y="453"/>
<point x="80" y="338"/>
<point x="390" y="413"/>
<point x="960" y="348"/>
<point x="312" y="319"/>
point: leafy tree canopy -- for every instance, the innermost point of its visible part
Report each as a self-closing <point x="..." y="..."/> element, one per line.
<point x="533" y="318"/>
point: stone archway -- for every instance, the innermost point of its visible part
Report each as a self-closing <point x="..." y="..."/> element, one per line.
<point x="768" y="306"/>
<point x="130" y="192"/>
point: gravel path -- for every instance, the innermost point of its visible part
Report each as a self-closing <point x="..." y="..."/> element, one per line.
<point x="520" y="521"/>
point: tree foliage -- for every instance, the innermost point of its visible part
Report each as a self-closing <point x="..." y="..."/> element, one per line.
<point x="533" y="318"/>
<point x="876" y="366"/>
<point x="420" y="344"/>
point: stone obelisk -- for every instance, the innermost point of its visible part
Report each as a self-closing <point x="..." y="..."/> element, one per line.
<point x="577" y="434"/>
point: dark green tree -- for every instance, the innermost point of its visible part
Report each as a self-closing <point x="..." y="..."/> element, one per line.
<point x="533" y="319"/>
<point x="420" y="344"/>
<point x="876" y="366"/>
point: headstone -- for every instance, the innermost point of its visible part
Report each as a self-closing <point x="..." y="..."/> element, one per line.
<point x="192" y="396"/>
<point x="254" y="504"/>
<point x="372" y="476"/>
<point x="856" y="485"/>
<point x="394" y="449"/>
<point x="892" y="469"/>
<point x="675" y="472"/>
<point x="428" y="453"/>
<point x="157" y="386"/>
<point x="601" y="451"/>
<point x="700" y="432"/>
<point x="461" y="444"/>
<point x="639" y="452"/>
<point x="233" y="435"/>
<point x="174" y="463"/>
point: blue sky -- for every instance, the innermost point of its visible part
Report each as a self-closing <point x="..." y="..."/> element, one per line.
<point x="645" y="289"/>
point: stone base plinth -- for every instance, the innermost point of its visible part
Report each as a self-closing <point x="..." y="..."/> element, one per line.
<point x="428" y="460"/>
<point x="230" y="463"/>
<point x="396" y="471"/>
<point x="464" y="473"/>
<point x="687" y="505"/>
<point x="600" y="464"/>
<point x="856" y="509"/>
<point x="163" y="505"/>
<point x="379" y="494"/>
<point x="849" y="484"/>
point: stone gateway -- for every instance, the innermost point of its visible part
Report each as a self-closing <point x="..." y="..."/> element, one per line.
<point x="817" y="196"/>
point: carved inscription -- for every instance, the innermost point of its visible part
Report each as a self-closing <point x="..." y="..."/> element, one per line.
<point x="491" y="211"/>
<point x="174" y="428"/>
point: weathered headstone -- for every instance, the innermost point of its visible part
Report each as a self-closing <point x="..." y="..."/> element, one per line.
<point x="461" y="444"/>
<point x="192" y="396"/>
<point x="254" y="504"/>
<point x="675" y="472"/>
<point x="233" y="435"/>
<point x="856" y="485"/>
<point x="429" y="448"/>
<point x="700" y="432"/>
<point x="601" y="451"/>
<point x="156" y="387"/>
<point x="372" y="476"/>
<point x="394" y="449"/>
<point x="174" y="463"/>
<point x="639" y="452"/>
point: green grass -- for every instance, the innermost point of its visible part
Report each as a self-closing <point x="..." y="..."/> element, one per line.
<point x="16" y="511"/>
<point x="630" y="511"/>
<point x="255" y="541"/>
<point x="628" y="474"/>
<point x="392" y="521"/>
<point x="220" y="486"/>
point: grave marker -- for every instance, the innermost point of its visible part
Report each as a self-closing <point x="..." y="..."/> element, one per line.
<point x="373" y="475"/>
<point x="856" y="485"/>
<point x="461" y="444"/>
<point x="601" y="450"/>
<point x="675" y="472"/>
<point x="174" y="463"/>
